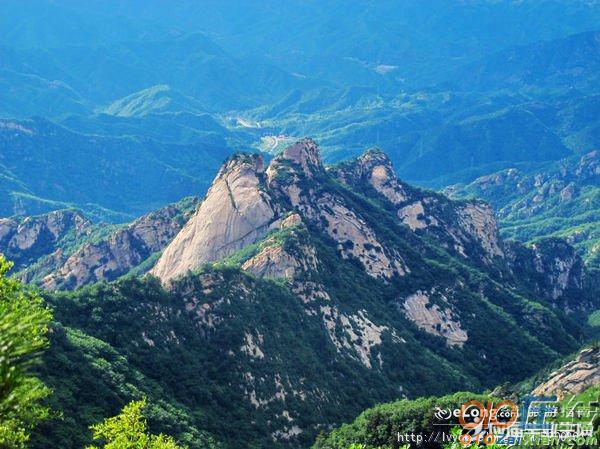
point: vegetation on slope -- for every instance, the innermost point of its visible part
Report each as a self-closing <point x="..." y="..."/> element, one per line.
<point x="23" y="335"/>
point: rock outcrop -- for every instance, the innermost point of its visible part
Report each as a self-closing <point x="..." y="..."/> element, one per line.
<point x="574" y="377"/>
<point x="433" y="319"/>
<point x="554" y="269"/>
<point x="287" y="259"/>
<point x="468" y="228"/>
<point x="374" y="168"/>
<point x="120" y="252"/>
<point x="296" y="177"/>
<point x="24" y="240"/>
<point x="236" y="212"/>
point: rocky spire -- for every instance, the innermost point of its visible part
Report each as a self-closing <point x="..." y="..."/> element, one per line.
<point x="236" y="212"/>
<point x="373" y="167"/>
<point x="306" y="154"/>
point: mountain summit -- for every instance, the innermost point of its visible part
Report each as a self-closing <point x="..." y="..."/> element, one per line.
<point x="247" y="201"/>
<point x="236" y="212"/>
<point x="299" y="287"/>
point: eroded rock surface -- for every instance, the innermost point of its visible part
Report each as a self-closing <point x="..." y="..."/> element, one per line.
<point x="434" y="319"/>
<point x="574" y="377"/>
<point x="354" y="332"/>
<point x="236" y="212"/>
<point x="118" y="253"/>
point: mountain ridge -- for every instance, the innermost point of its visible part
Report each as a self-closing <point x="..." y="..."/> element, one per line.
<point x="328" y="296"/>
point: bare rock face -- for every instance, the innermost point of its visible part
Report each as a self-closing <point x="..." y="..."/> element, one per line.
<point x="477" y="219"/>
<point x="574" y="377"/>
<point x="554" y="269"/>
<point x="434" y="320"/>
<point x="466" y="228"/>
<point x="26" y="240"/>
<point x="305" y="153"/>
<point x="355" y="333"/>
<point x="121" y="251"/>
<point x="561" y="270"/>
<point x="277" y="260"/>
<point x="236" y="212"/>
<point x="288" y="176"/>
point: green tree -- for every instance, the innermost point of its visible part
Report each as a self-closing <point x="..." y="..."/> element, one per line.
<point x="130" y="431"/>
<point x="23" y="335"/>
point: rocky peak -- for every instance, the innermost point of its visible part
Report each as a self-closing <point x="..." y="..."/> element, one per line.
<point x="242" y="162"/>
<point x="306" y="154"/>
<point x="370" y="161"/>
<point x="237" y="211"/>
<point x="589" y="165"/>
<point x="329" y="210"/>
<point x="461" y="226"/>
<point x="374" y="168"/>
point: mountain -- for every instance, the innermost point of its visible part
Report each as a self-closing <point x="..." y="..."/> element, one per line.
<point x="569" y="63"/>
<point x="304" y="294"/>
<point x="312" y="282"/>
<point x="111" y="178"/>
<point x="78" y="252"/>
<point x="42" y="23"/>
<point x="559" y="200"/>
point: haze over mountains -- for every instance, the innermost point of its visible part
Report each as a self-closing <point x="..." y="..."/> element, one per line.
<point x="447" y="97"/>
<point x="266" y="217"/>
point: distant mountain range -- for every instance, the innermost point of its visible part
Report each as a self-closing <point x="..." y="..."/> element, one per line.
<point x="503" y="94"/>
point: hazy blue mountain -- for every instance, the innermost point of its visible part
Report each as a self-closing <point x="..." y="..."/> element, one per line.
<point x="192" y="64"/>
<point x="448" y="97"/>
<point x="47" y="166"/>
<point x="571" y="63"/>
<point x="313" y="37"/>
